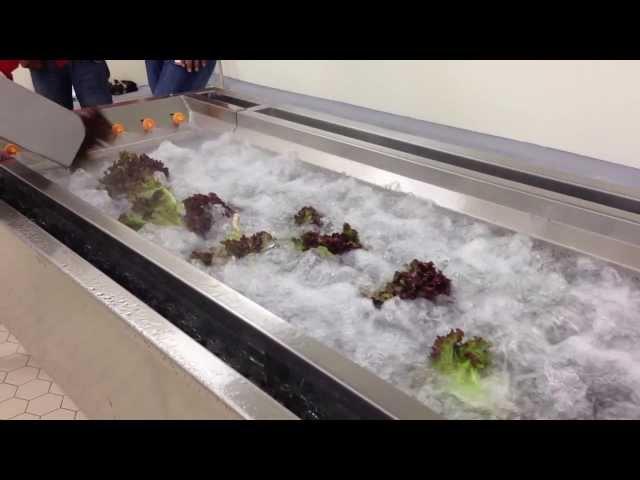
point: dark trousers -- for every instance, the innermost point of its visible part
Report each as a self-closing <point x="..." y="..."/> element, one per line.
<point x="167" y="78"/>
<point x="89" y="79"/>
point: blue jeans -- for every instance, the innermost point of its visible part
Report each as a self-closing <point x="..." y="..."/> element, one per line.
<point x="167" y="78"/>
<point x="89" y="79"/>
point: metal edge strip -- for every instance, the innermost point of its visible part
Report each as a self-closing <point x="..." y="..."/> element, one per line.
<point x="187" y="356"/>
<point x="361" y="382"/>
<point x="596" y="233"/>
<point x="222" y="92"/>
<point x="490" y="159"/>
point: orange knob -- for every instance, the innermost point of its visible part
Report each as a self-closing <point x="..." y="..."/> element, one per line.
<point x="118" y="128"/>
<point x="177" y="118"/>
<point x="11" y="149"/>
<point x="148" y="124"/>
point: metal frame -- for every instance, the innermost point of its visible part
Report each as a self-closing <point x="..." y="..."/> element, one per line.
<point x="115" y="356"/>
<point x="595" y="229"/>
<point x="599" y="230"/>
<point x="361" y="382"/>
<point x="226" y="97"/>
<point x="459" y="151"/>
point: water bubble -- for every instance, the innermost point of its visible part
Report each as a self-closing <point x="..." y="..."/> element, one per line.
<point x="554" y="317"/>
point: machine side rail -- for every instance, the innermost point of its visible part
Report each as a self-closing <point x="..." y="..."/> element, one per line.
<point x="613" y="200"/>
<point x="307" y="378"/>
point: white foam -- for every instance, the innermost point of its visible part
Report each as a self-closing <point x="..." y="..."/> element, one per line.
<point x="565" y="328"/>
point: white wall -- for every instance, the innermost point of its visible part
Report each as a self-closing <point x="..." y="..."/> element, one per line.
<point x="22" y="77"/>
<point x="128" y="70"/>
<point x="585" y="107"/>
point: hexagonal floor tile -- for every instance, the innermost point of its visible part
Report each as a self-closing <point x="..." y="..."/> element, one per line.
<point x="13" y="362"/>
<point x="55" y="388"/>
<point x="26" y="416"/>
<point x="33" y="362"/>
<point x="6" y="391"/>
<point x="60" y="414"/>
<point x="69" y="404"/>
<point x="33" y="389"/>
<point x="44" y="404"/>
<point x="7" y="349"/>
<point x="21" y="375"/>
<point x="27" y="392"/>
<point x="12" y="407"/>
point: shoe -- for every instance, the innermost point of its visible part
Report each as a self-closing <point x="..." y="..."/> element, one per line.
<point x="117" y="88"/>
<point x="120" y="87"/>
<point x="129" y="86"/>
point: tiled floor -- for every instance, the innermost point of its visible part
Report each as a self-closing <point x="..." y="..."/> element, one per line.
<point x="26" y="391"/>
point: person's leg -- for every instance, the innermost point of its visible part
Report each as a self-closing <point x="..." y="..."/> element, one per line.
<point x="154" y="69"/>
<point x="91" y="82"/>
<point x="54" y="83"/>
<point x="175" y="79"/>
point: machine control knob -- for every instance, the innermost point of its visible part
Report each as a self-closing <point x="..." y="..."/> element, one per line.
<point x="148" y="124"/>
<point x="11" y="149"/>
<point x="177" y="118"/>
<point x="118" y="128"/>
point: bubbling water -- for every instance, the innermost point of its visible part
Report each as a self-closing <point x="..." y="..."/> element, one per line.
<point x="564" y="327"/>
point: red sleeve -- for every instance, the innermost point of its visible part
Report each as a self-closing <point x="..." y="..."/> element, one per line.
<point x="8" y="66"/>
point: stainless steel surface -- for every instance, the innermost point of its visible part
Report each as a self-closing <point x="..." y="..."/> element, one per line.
<point x="466" y="152"/>
<point x="39" y="125"/>
<point x="593" y="228"/>
<point x="201" y="117"/>
<point x="114" y="355"/>
<point x="226" y="98"/>
<point x="393" y="402"/>
<point x="199" y="114"/>
<point x="363" y="383"/>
